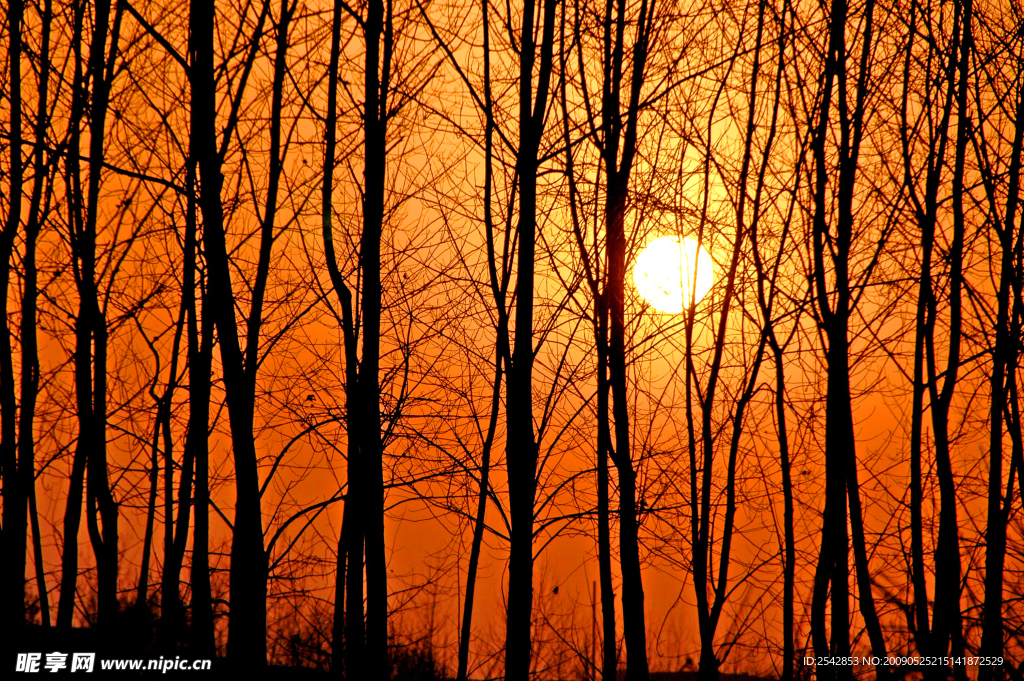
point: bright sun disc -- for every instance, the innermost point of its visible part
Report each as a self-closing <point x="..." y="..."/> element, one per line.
<point x="664" y="273"/>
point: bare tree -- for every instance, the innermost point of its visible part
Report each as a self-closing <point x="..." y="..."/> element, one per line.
<point x="521" y="445"/>
<point x="247" y="643"/>
<point x="14" y="534"/>
<point x="832" y="241"/>
<point x="933" y="638"/>
<point x="1003" y="199"/>
<point x="92" y="94"/>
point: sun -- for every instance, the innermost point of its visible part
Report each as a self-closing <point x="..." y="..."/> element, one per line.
<point x="664" y="273"/>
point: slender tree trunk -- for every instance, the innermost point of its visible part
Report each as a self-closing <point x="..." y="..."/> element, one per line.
<point x="833" y="566"/>
<point x="706" y="582"/>
<point x="850" y="149"/>
<point x="142" y="591"/>
<point x="14" y="536"/>
<point x="767" y="308"/>
<point x="478" y="526"/>
<point x="37" y="553"/>
<point x="1004" y="356"/>
<point x="634" y="627"/>
<point x="609" y="656"/>
<point x="338" y="623"/>
<point x="834" y="309"/>
<point x="91" y="355"/>
<point x="599" y="291"/>
<point x="946" y="619"/>
<point x="789" y="551"/>
<point x="171" y="611"/>
<point x="521" y="446"/>
<point x="176" y="530"/>
<point x="76" y="480"/>
<point x="171" y="569"/>
<point x="90" y="328"/>
<point x="197" y="447"/>
<point x="501" y="355"/>
<point x="345" y="659"/>
<point x="69" y="552"/>
<point x="348" y="648"/>
<point x="621" y="136"/>
<point x="378" y="30"/>
<point x="247" y="641"/>
<point x="616" y="187"/>
<point x="29" y="314"/>
<point x="995" y="532"/>
<point x="921" y="626"/>
<point x="356" y="663"/>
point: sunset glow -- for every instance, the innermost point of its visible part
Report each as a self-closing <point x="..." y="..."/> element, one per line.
<point x="518" y="341"/>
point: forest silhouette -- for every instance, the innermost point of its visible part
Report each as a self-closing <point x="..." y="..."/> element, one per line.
<point x="322" y="346"/>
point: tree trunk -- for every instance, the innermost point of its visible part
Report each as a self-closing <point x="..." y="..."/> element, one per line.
<point x="634" y="627"/>
<point x="834" y="308"/>
<point x="933" y="639"/>
<point x="14" y="536"/>
<point x="346" y="660"/>
<point x="91" y="355"/>
<point x="1004" y="356"/>
<point x="29" y="314"/>
<point x="247" y="640"/>
<point x="142" y="590"/>
<point x="609" y="656"/>
<point x="176" y="533"/>
<point x="197" y="444"/>
<point x="789" y="550"/>
<point x="378" y="29"/>
<point x="521" y="445"/>
<point x="478" y="526"/>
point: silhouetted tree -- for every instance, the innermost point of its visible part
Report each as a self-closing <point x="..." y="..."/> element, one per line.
<point x="1003" y="199"/>
<point x="833" y="238"/>
<point x="14" y="533"/>
<point x="933" y="637"/>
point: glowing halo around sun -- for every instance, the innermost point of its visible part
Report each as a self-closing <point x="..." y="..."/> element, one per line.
<point x="664" y="273"/>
